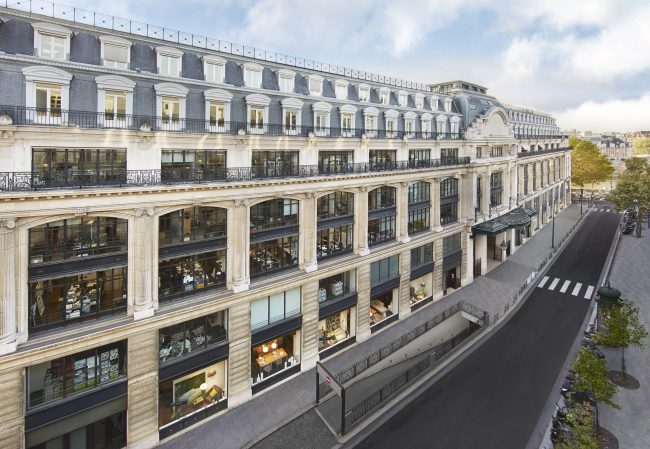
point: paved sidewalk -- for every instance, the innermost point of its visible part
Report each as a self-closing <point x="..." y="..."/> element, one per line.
<point x="631" y="275"/>
<point x="270" y="411"/>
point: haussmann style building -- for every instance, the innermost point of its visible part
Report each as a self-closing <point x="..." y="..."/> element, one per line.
<point x="185" y="222"/>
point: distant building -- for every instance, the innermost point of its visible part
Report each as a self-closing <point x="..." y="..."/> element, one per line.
<point x="611" y="146"/>
<point x="634" y="136"/>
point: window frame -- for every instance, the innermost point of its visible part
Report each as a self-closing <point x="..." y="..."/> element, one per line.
<point x="214" y="64"/>
<point x="169" y="53"/>
<point x="44" y="75"/>
<point x="315" y="79"/>
<point x="117" y="42"/>
<point x="51" y="30"/>
<point x="113" y="83"/>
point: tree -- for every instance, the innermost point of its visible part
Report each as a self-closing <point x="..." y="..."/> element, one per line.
<point x="588" y="165"/>
<point x="592" y="376"/>
<point x="625" y="329"/>
<point x="642" y="146"/>
<point x="633" y="190"/>
<point x="582" y="429"/>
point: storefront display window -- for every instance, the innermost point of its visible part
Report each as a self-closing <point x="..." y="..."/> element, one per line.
<point x="74" y="297"/>
<point x="336" y="328"/>
<point x="77" y="237"/>
<point x="192" y="224"/>
<point x="191" y="273"/>
<point x="383" y="306"/>
<point x="421" y="288"/>
<point x="188" y="337"/>
<point x="106" y="433"/>
<point x="336" y="286"/>
<point x="274" y="356"/>
<point x="68" y="375"/>
<point x="192" y="393"/>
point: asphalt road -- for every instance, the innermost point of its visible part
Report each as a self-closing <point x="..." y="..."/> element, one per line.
<point x="493" y="398"/>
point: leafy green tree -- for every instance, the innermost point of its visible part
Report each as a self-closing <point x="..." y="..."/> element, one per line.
<point x="592" y="376"/>
<point x="641" y="146"/>
<point x="582" y="429"/>
<point x="625" y="329"/>
<point x="588" y="165"/>
<point x="632" y="191"/>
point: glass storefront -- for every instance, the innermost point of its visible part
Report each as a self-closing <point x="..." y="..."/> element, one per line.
<point x="190" y="273"/>
<point x="383" y="306"/>
<point x="190" y="394"/>
<point x="274" y="356"/>
<point x="336" y="328"/>
<point x="74" y="297"/>
<point x="106" y="433"/>
<point x="188" y="337"/>
<point x="421" y="288"/>
<point x="75" y="373"/>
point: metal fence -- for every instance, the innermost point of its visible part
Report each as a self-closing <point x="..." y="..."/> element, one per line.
<point x="362" y="365"/>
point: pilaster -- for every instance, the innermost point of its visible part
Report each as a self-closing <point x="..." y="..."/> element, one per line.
<point x="437" y="270"/>
<point x="468" y="257"/>
<point x="239" y="356"/>
<point x="435" y="194"/>
<point x="142" y="413"/>
<point x="309" y="326"/>
<point x="361" y="222"/>
<point x="8" y="333"/>
<point x="238" y="274"/>
<point x="363" y="303"/>
<point x="307" y="238"/>
<point x="405" y="284"/>
<point x="12" y="423"/>
<point x="403" y="212"/>
<point x="143" y="256"/>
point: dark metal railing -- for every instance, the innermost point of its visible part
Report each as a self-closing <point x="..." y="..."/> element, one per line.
<point x="540" y="136"/>
<point x="22" y="115"/>
<point x="540" y="152"/>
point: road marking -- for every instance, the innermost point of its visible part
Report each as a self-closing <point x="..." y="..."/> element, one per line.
<point x="543" y="283"/>
<point x="554" y="284"/>
<point x="565" y="286"/>
<point x="576" y="289"/>
<point x="590" y="290"/>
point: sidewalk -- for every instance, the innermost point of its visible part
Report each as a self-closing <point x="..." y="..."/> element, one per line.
<point x="630" y="274"/>
<point x="267" y="413"/>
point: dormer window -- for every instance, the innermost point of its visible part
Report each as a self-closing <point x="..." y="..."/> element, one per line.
<point x="52" y="41"/>
<point x="217" y="110"/>
<point x="447" y="104"/>
<point x="409" y="123"/>
<point x="115" y="52"/>
<point x="253" y="75"/>
<point x="169" y="61"/>
<point x="315" y="85"/>
<point x="384" y="95"/>
<point x="170" y="106"/>
<point x="348" y="115"/>
<point x="257" y="112"/>
<point x="214" y="69"/>
<point x="364" y="92"/>
<point x="292" y="116"/>
<point x="391" y="123"/>
<point x="286" y="79"/>
<point x="434" y="102"/>
<point x="425" y="125"/>
<point x="402" y="98"/>
<point x="441" y="126"/>
<point x="419" y="101"/>
<point x="341" y="89"/>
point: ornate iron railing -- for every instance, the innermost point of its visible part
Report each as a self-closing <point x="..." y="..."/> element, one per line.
<point x="540" y="136"/>
<point x="542" y="152"/>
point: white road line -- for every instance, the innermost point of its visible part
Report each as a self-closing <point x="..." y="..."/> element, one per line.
<point x="576" y="289"/>
<point x="543" y="283"/>
<point x="565" y="286"/>
<point x="554" y="284"/>
<point x="590" y="290"/>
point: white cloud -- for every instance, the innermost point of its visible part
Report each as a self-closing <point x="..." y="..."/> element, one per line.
<point x="613" y="115"/>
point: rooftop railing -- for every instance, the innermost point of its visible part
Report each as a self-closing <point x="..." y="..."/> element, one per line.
<point x="86" y="17"/>
<point x="542" y="152"/>
<point x="540" y="136"/>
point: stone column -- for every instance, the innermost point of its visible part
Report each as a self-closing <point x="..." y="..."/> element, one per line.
<point x="403" y="212"/>
<point x="142" y="413"/>
<point x="239" y="357"/>
<point x="531" y="186"/>
<point x="363" y="302"/>
<point x="309" y="308"/>
<point x="142" y="259"/>
<point x="435" y="195"/>
<point x="480" y="251"/>
<point x="8" y="257"/>
<point x="436" y="289"/>
<point x="485" y="200"/>
<point x="468" y="257"/>
<point x="238" y="247"/>
<point x="361" y="222"/>
<point x="307" y="239"/>
<point x="405" y="284"/>
<point x="11" y="429"/>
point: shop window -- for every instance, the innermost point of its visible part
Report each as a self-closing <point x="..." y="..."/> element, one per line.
<point x="62" y="167"/>
<point x="384" y="270"/>
<point x="190" y="394"/>
<point x="76" y="373"/>
<point x="185" y="338"/>
<point x="335" y="162"/>
<point x="274" y="356"/>
<point x="275" y="308"/>
<point x="451" y="244"/>
<point x="421" y="289"/>
<point x="192" y="165"/>
<point x="192" y="224"/>
<point x="381" y="229"/>
<point x="105" y="433"/>
<point x="421" y="256"/>
<point x="87" y="295"/>
<point x="336" y="286"/>
<point x="383" y="306"/>
<point x="274" y="164"/>
<point x="189" y="274"/>
<point x="336" y="328"/>
<point x="77" y="237"/>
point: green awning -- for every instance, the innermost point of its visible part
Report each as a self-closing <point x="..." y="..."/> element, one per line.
<point x="516" y="218"/>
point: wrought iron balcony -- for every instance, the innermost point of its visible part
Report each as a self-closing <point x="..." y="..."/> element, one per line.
<point x="540" y="136"/>
<point x="542" y="152"/>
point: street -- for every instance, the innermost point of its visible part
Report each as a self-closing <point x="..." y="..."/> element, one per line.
<point x="493" y="398"/>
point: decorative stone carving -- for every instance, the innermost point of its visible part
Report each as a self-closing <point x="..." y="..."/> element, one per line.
<point x="7" y="222"/>
<point x="5" y="120"/>
<point x="146" y="210"/>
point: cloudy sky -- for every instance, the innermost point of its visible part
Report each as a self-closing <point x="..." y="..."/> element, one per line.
<point x="586" y="61"/>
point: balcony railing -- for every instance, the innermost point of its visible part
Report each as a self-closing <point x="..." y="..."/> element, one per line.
<point x="541" y="152"/>
<point x="540" y="136"/>
<point x="77" y="179"/>
<point x="21" y="115"/>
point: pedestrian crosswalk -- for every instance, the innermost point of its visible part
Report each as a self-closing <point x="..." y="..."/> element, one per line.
<point x="552" y="283"/>
<point x="606" y="209"/>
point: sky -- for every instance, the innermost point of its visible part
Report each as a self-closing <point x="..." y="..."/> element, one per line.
<point x="585" y="61"/>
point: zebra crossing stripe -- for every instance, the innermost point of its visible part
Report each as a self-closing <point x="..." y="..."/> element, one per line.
<point x="554" y="284"/>
<point x="565" y="286"/>
<point x="590" y="290"/>
<point x="576" y="289"/>
<point x="543" y="283"/>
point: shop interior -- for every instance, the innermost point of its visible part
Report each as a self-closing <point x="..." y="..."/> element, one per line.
<point x="191" y="336"/>
<point x="190" y="273"/>
<point x="421" y="288"/>
<point x="274" y="356"/>
<point x="336" y="328"/>
<point x="336" y="286"/>
<point x="383" y="306"/>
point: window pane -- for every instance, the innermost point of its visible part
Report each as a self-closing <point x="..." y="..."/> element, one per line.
<point x="115" y="53"/>
<point x="293" y="301"/>
<point x="276" y="306"/>
<point x="259" y="312"/>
